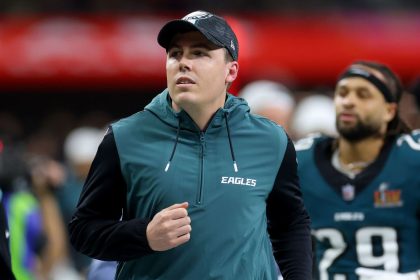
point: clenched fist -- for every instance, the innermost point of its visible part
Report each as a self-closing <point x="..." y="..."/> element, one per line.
<point x="169" y="228"/>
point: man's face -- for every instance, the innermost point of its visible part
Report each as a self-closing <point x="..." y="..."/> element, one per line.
<point x="197" y="72"/>
<point x="361" y="109"/>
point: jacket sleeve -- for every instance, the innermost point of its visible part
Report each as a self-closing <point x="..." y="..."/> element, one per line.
<point x="99" y="227"/>
<point x="289" y="222"/>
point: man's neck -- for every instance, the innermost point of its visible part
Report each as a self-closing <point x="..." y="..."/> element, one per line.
<point x="201" y="116"/>
<point x="366" y="150"/>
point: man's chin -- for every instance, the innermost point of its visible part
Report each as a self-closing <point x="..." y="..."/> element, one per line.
<point x="346" y="129"/>
<point x="353" y="135"/>
<point x="184" y="100"/>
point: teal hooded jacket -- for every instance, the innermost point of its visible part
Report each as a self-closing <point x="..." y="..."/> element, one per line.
<point x="229" y="175"/>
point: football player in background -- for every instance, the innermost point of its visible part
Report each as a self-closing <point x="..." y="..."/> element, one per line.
<point x="362" y="189"/>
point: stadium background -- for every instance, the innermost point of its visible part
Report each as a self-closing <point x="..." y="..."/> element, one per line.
<point x="73" y="62"/>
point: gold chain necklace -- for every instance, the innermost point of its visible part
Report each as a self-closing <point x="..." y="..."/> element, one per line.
<point x="353" y="167"/>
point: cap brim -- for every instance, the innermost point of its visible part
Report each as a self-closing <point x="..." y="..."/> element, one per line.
<point x="174" y="27"/>
<point x="171" y="28"/>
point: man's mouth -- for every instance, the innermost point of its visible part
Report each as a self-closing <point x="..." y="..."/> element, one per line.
<point x="347" y="117"/>
<point x="184" y="81"/>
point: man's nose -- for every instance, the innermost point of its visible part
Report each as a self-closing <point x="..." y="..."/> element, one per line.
<point x="184" y="63"/>
<point x="349" y="99"/>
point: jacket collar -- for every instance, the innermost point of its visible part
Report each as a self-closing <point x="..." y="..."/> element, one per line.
<point x="161" y="106"/>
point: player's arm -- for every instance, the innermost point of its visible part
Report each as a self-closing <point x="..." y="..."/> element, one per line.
<point x="289" y="222"/>
<point x="96" y="228"/>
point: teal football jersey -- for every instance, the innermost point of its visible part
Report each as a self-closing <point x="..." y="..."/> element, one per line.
<point x="370" y="221"/>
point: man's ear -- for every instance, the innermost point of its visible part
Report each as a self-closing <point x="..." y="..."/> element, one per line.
<point x="391" y="111"/>
<point x="232" y="72"/>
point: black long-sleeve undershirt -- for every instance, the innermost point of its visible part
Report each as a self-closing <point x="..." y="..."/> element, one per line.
<point x="289" y="222"/>
<point x="96" y="229"/>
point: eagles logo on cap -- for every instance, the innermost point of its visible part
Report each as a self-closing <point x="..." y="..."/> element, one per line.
<point x="192" y="17"/>
<point x="213" y="27"/>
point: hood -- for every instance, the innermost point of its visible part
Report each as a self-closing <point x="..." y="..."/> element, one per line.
<point x="161" y="107"/>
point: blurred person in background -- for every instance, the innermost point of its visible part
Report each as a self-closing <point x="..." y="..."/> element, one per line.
<point x="194" y="186"/>
<point x="271" y="100"/>
<point x="80" y="147"/>
<point x="5" y="261"/>
<point x="313" y="114"/>
<point x="37" y="236"/>
<point x="362" y="188"/>
<point x="47" y="175"/>
<point x="27" y="236"/>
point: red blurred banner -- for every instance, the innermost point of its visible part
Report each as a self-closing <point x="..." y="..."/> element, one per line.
<point x="121" y="51"/>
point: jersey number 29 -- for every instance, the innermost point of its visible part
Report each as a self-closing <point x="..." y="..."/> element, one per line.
<point x="364" y="249"/>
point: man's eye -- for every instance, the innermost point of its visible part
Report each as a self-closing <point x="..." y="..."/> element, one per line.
<point x="341" y="92"/>
<point x="199" y="53"/>
<point x="363" y="93"/>
<point x="174" y="53"/>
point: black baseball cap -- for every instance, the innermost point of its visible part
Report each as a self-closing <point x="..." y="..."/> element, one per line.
<point x="213" y="27"/>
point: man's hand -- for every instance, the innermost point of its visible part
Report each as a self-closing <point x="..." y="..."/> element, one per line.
<point x="169" y="228"/>
<point x="375" y="274"/>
